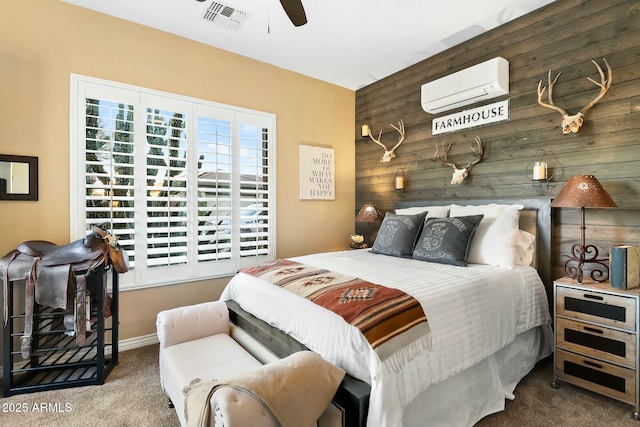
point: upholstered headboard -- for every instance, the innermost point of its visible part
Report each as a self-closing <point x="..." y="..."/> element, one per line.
<point x="534" y="218"/>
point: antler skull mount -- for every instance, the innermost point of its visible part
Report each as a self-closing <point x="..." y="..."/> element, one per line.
<point x="572" y="123"/>
<point x="460" y="174"/>
<point x="390" y="154"/>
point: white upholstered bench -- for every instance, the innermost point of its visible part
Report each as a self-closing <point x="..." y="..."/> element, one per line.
<point x="195" y="342"/>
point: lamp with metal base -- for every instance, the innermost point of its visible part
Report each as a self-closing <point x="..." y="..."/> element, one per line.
<point x="369" y="215"/>
<point x="584" y="191"/>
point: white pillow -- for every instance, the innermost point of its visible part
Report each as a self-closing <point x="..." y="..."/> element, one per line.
<point x="524" y="248"/>
<point x="494" y="241"/>
<point x="433" y="211"/>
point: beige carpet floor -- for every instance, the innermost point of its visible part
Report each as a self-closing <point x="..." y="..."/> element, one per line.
<point x="537" y="404"/>
<point x="131" y="396"/>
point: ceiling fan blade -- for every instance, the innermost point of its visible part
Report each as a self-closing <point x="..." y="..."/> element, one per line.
<point x="295" y="11"/>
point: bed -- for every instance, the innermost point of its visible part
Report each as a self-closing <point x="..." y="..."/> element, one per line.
<point x="487" y="323"/>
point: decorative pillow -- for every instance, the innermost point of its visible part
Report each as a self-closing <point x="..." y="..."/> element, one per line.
<point x="524" y="248"/>
<point x="433" y="211"/>
<point x="295" y="390"/>
<point x="446" y="240"/>
<point x="397" y="234"/>
<point x="495" y="240"/>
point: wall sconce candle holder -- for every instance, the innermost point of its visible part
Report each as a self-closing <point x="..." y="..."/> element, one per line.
<point x="366" y="130"/>
<point x="399" y="181"/>
<point x="541" y="169"/>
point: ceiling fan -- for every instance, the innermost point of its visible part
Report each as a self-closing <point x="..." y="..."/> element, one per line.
<point x="295" y="11"/>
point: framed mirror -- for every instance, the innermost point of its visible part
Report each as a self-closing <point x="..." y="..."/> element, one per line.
<point x="18" y="177"/>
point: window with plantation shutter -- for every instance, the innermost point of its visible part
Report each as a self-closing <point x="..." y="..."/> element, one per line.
<point x="186" y="185"/>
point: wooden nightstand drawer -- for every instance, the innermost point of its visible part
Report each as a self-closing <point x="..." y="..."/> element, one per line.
<point x="597" y="341"/>
<point x="611" y="310"/>
<point x="610" y="380"/>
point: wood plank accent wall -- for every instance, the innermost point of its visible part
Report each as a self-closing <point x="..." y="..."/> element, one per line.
<point x="564" y="36"/>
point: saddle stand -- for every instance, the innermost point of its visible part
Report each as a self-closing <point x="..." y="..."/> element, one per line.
<point x="56" y="276"/>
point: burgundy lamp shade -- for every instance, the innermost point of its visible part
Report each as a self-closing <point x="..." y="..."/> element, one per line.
<point x="368" y="213"/>
<point x="583" y="191"/>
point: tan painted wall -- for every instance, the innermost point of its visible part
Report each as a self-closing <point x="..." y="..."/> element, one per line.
<point x="43" y="41"/>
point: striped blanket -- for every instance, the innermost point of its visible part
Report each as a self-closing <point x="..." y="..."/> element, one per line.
<point x="388" y="318"/>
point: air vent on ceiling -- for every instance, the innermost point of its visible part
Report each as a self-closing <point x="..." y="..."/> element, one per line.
<point x="225" y="16"/>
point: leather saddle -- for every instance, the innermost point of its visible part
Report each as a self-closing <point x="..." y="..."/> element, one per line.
<point x="56" y="276"/>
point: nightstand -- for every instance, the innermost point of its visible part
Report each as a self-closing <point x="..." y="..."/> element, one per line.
<point x="596" y="330"/>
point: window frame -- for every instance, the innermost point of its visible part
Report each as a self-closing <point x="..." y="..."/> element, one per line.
<point x="83" y="87"/>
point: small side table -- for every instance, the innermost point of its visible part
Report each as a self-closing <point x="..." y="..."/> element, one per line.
<point x="353" y="247"/>
<point x="597" y="339"/>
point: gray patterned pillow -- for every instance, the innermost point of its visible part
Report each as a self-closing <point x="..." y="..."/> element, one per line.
<point x="446" y="240"/>
<point x="397" y="234"/>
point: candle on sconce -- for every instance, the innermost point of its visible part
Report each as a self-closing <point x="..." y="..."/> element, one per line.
<point x="365" y="129"/>
<point x="399" y="181"/>
<point x="539" y="171"/>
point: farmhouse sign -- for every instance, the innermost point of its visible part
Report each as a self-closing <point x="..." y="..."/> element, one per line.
<point x="491" y="113"/>
<point x="317" y="174"/>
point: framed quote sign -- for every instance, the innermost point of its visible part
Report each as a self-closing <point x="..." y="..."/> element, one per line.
<point x="317" y="174"/>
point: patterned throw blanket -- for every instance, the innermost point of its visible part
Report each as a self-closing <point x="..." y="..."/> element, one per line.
<point x="388" y="318"/>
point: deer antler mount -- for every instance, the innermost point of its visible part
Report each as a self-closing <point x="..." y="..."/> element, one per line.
<point x="390" y="154"/>
<point x="572" y="123"/>
<point x="459" y="174"/>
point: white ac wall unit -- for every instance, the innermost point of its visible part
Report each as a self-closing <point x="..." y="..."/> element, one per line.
<point x="482" y="81"/>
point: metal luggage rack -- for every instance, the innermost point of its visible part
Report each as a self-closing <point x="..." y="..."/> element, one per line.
<point x="56" y="361"/>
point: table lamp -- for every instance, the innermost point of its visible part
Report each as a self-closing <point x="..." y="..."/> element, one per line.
<point x="584" y="191"/>
<point x="369" y="214"/>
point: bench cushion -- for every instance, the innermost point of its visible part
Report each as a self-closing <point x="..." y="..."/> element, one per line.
<point x="213" y="357"/>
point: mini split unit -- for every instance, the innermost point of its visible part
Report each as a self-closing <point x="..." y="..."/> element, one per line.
<point x="486" y="80"/>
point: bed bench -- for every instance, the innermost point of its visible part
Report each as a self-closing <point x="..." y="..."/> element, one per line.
<point x="352" y="397"/>
<point x="195" y="342"/>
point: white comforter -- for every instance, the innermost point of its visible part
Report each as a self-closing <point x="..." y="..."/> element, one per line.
<point x="472" y="312"/>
